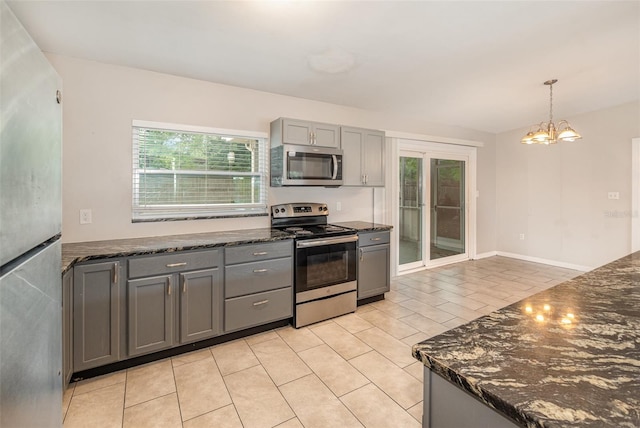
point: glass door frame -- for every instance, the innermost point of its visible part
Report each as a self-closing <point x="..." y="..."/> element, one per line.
<point x="434" y="150"/>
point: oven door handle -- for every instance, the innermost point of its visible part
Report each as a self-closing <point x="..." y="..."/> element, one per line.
<point x="321" y="242"/>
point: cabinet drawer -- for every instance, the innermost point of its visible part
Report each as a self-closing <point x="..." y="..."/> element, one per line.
<point x="257" y="252"/>
<point x="373" y="238"/>
<point x="174" y="262"/>
<point x="247" y="278"/>
<point x="256" y="309"/>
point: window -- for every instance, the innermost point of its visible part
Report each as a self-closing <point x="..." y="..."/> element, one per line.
<point x="184" y="172"/>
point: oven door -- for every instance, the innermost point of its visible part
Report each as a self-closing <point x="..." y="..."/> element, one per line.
<point x="324" y="262"/>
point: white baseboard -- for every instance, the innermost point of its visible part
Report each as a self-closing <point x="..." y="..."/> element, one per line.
<point x="545" y="261"/>
<point x="485" y="255"/>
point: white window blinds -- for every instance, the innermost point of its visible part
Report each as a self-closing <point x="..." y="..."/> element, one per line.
<point x="184" y="172"/>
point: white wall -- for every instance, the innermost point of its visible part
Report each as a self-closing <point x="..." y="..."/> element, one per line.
<point x="557" y="195"/>
<point x="100" y="101"/>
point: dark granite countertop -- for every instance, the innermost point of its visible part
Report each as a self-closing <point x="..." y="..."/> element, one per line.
<point x="364" y="226"/>
<point x="566" y="357"/>
<point x="73" y="253"/>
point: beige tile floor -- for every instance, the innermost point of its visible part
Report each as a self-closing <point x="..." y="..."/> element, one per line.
<point x="352" y="371"/>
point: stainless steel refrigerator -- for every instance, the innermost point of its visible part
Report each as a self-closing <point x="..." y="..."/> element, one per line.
<point x="30" y="225"/>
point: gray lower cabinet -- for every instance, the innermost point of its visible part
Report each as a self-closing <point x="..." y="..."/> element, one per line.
<point x="374" y="276"/>
<point x="200" y="305"/>
<point x="258" y="284"/>
<point x="171" y="309"/>
<point x="67" y="322"/>
<point x="150" y="314"/>
<point x="96" y="309"/>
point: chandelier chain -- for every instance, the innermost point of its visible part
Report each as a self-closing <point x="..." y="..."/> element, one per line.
<point x="551" y="103"/>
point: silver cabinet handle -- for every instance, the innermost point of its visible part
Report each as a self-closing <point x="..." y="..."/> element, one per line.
<point x="184" y="284"/>
<point x="261" y="253"/>
<point x="168" y="286"/>
<point x="261" y="302"/>
<point x="260" y="270"/>
<point x="115" y="272"/>
<point x="171" y="265"/>
<point x="361" y="255"/>
<point x="376" y="239"/>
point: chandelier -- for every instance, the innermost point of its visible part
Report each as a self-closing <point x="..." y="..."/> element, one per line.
<point x="549" y="132"/>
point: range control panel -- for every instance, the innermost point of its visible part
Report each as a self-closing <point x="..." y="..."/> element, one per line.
<point x="299" y="210"/>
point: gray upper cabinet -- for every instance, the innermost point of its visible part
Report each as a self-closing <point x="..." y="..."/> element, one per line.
<point x="363" y="160"/>
<point x="301" y="132"/>
<point x="96" y="307"/>
<point x="374" y="273"/>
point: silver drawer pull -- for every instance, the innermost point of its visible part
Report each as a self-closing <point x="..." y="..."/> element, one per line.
<point x="376" y="239"/>
<point x="170" y="265"/>
<point x="261" y="302"/>
<point x="260" y="270"/>
<point x="261" y="253"/>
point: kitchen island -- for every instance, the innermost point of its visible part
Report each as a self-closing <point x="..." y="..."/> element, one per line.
<point x="568" y="356"/>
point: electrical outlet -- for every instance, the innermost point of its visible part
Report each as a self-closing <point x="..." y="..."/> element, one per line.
<point x="85" y="216"/>
<point x="522" y="236"/>
<point x="338" y="206"/>
<point x="613" y="195"/>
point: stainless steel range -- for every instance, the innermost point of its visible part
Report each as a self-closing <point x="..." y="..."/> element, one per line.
<point x="325" y="262"/>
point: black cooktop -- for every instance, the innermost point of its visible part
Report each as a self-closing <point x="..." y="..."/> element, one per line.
<point x="317" y="230"/>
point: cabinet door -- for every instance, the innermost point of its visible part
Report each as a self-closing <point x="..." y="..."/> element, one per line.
<point x="296" y="132"/>
<point x="326" y="135"/>
<point x="96" y="308"/>
<point x="373" y="271"/>
<point x="67" y="332"/>
<point x="373" y="158"/>
<point x="351" y="141"/>
<point x="150" y="324"/>
<point x="200" y="305"/>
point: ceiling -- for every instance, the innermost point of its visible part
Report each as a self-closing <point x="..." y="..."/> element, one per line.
<point x="479" y="65"/>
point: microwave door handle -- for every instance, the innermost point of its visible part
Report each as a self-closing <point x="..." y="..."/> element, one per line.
<point x="335" y="167"/>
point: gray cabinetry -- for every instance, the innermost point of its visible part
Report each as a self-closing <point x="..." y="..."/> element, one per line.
<point x="301" y="132"/>
<point x="176" y="305"/>
<point x="363" y="160"/>
<point x="150" y="314"/>
<point x="258" y="284"/>
<point x="374" y="276"/>
<point x="67" y="322"/>
<point x="96" y="308"/>
<point x="200" y="305"/>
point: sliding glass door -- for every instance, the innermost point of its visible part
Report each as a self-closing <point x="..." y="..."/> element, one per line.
<point x="447" y="220"/>
<point x="432" y="215"/>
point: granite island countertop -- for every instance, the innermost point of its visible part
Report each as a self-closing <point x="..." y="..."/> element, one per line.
<point x="568" y="356"/>
<point x="73" y="253"/>
<point x="364" y="226"/>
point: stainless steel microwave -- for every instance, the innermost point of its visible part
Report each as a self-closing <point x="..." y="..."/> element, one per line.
<point x="293" y="165"/>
